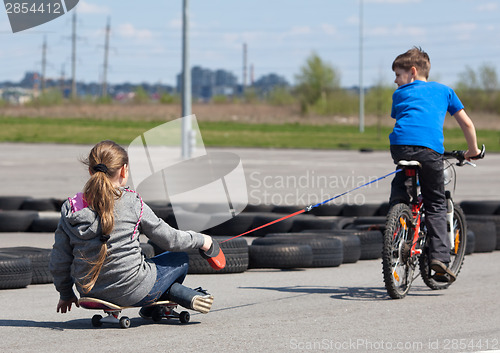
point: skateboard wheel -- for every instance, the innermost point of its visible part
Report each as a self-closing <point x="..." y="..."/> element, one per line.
<point x="157" y="314"/>
<point x="96" y="321"/>
<point x="184" y="317"/>
<point x="125" y="322"/>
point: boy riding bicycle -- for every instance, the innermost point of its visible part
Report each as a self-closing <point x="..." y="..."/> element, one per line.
<point x="419" y="108"/>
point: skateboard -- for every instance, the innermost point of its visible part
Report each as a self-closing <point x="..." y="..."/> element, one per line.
<point x="163" y="309"/>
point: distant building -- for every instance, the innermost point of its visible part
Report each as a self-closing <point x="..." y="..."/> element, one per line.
<point x="268" y="82"/>
<point x="206" y="83"/>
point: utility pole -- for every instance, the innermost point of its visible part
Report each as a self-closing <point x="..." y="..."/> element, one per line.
<point x="244" y="66"/>
<point x="44" y="62"/>
<point x="361" y="88"/>
<point x="73" y="59"/>
<point x="187" y="138"/>
<point x="104" y="92"/>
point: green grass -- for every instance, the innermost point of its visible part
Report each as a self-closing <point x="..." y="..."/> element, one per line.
<point x="221" y="134"/>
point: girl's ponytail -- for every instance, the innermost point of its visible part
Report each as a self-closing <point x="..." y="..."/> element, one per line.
<point x="104" y="162"/>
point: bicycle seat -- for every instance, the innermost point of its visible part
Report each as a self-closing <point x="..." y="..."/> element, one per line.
<point x="414" y="164"/>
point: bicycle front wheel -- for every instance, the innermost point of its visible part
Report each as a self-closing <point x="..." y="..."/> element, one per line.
<point x="396" y="266"/>
<point x="457" y="252"/>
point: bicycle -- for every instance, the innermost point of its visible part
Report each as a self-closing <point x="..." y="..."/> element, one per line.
<point x="405" y="252"/>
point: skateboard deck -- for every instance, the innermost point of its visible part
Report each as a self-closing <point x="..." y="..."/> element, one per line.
<point x="162" y="309"/>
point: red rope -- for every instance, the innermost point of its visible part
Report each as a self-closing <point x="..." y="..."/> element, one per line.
<point x="265" y="225"/>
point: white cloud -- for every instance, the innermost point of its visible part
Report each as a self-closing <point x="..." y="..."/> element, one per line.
<point x="85" y="7"/>
<point x="299" y="30"/>
<point x="329" y="29"/>
<point x="487" y="7"/>
<point x="127" y="30"/>
<point x="464" y="31"/>
<point x="398" y="30"/>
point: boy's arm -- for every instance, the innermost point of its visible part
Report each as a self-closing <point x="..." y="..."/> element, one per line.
<point x="469" y="131"/>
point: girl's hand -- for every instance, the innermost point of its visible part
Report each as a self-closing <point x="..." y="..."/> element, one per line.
<point x="65" y="305"/>
<point x="208" y="242"/>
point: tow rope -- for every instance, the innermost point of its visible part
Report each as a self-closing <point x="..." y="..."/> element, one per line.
<point x="310" y="207"/>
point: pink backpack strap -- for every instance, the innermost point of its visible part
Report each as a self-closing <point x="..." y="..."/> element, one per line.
<point x="78" y="202"/>
<point x="136" y="228"/>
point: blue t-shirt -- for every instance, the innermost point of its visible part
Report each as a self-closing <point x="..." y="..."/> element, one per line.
<point x="420" y="108"/>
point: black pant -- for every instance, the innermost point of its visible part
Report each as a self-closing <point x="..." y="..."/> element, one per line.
<point x="431" y="177"/>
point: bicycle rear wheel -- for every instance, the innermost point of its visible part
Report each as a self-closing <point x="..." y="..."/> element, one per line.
<point x="457" y="251"/>
<point x="396" y="265"/>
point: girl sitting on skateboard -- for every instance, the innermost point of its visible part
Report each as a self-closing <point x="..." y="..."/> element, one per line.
<point x="97" y="246"/>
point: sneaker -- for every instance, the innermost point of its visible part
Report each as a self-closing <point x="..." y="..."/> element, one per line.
<point x="146" y="312"/>
<point x="195" y="299"/>
<point x="202" y="303"/>
<point x="443" y="272"/>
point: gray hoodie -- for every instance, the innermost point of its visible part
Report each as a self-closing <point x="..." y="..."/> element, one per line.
<point x="126" y="276"/>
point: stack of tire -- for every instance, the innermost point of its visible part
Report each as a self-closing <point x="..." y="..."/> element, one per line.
<point x="22" y="266"/>
<point x="26" y="214"/>
<point x="326" y="236"/>
<point x="483" y="222"/>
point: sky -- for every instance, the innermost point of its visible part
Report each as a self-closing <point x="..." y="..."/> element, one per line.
<point x="146" y="38"/>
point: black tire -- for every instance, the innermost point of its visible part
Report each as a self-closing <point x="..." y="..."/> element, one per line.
<point x="326" y="252"/>
<point x="327" y="210"/>
<point x="234" y="226"/>
<point x="383" y="210"/>
<point x="488" y="207"/>
<point x="15" y="271"/>
<point x="39" y="205"/>
<point x="287" y="209"/>
<point x="493" y="218"/>
<point x="371" y="244"/>
<point x="261" y="219"/>
<point x="96" y="320"/>
<point x="302" y="222"/>
<point x="398" y="273"/>
<point x="162" y="212"/>
<point x="471" y="242"/>
<point x="158" y="313"/>
<point x="281" y="256"/>
<point x="351" y="244"/>
<point x="458" y="249"/>
<point x="365" y="210"/>
<point x="16" y="221"/>
<point x="369" y="223"/>
<point x="11" y="203"/>
<point x="124" y="322"/>
<point x="46" y="222"/>
<point x="485" y="235"/>
<point x="184" y="317"/>
<point x="258" y="208"/>
<point x="40" y="259"/>
<point x="235" y="251"/>
<point x="148" y="250"/>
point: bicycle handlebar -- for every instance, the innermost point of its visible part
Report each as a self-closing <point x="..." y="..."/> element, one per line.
<point x="460" y="156"/>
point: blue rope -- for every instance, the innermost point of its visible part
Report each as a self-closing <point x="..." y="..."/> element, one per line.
<point x="310" y="207"/>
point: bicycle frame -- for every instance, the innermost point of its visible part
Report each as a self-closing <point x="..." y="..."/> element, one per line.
<point x="416" y="207"/>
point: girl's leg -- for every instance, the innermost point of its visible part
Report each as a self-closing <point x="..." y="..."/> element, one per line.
<point x="171" y="267"/>
<point x="171" y="270"/>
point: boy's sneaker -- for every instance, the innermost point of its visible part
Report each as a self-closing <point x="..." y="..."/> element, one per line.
<point x="443" y="272"/>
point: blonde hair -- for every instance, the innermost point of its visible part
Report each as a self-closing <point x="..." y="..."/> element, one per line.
<point x="104" y="161"/>
<point x="414" y="57"/>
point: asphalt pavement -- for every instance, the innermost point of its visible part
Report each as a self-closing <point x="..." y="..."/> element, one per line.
<point x="343" y="309"/>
